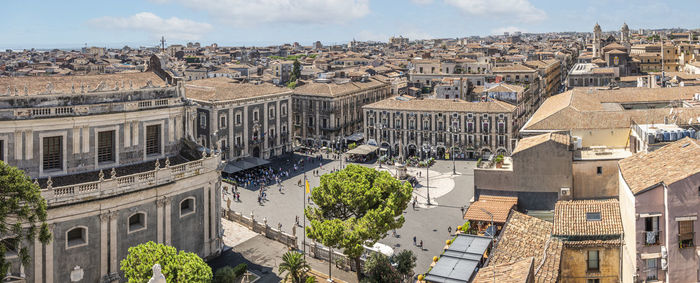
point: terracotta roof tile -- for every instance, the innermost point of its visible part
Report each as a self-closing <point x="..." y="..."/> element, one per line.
<point x="225" y="89"/>
<point x="576" y="218"/>
<point x="498" y="206"/>
<point x="526" y="236"/>
<point x="529" y="142"/>
<point x="441" y="105"/>
<point x="512" y="272"/>
<point x="75" y="84"/>
<point x="669" y="164"/>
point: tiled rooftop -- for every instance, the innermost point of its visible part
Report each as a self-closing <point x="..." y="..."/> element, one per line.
<point x="498" y="206"/>
<point x="668" y="164"/>
<point x="524" y="237"/>
<point x="587" y="219"/>
<point x="441" y="105"/>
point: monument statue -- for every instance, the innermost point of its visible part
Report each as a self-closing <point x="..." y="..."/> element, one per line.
<point x="157" y="275"/>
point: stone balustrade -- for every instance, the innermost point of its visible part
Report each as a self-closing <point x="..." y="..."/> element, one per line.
<point x="118" y="185"/>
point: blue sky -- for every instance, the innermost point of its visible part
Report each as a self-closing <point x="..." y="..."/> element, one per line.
<point x="114" y="23"/>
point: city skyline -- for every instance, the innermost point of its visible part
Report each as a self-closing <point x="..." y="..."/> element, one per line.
<point x="271" y="22"/>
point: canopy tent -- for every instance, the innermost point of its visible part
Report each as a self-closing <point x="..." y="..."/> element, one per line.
<point x="363" y="149"/>
<point x="244" y="163"/>
<point x="356" y="137"/>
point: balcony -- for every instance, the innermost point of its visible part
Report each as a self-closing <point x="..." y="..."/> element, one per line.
<point x="686" y="240"/>
<point x="651" y="238"/>
<point x="111" y="186"/>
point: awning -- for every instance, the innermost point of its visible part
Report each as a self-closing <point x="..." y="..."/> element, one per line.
<point x="244" y="163"/>
<point x="363" y="149"/>
<point x="355" y="137"/>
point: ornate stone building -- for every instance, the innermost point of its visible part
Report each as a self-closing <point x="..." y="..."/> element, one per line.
<point x="107" y="152"/>
<point x="403" y="126"/>
<point x="325" y="112"/>
<point x="242" y="119"/>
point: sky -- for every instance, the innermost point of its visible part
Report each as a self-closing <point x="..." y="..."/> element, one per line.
<point x="115" y="23"/>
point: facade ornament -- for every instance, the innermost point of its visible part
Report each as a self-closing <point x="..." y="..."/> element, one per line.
<point x="72" y="88"/>
<point x="16" y="92"/>
<point x="88" y="88"/>
<point x="167" y="162"/>
<point x="49" y="183"/>
<point x="131" y="84"/>
<point x="157" y="164"/>
<point x="49" y="88"/>
<point x="162" y="202"/>
<point x="149" y="84"/>
<point x="26" y="90"/>
<point x="116" y="85"/>
<point x="113" y="173"/>
<point x="101" y="175"/>
<point x="82" y="88"/>
<point x="101" y="86"/>
<point x="157" y="275"/>
<point x="204" y="153"/>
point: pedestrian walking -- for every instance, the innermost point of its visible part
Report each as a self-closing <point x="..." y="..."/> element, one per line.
<point x="297" y="220"/>
<point x="449" y="230"/>
<point x="414" y="204"/>
<point x="414" y="240"/>
<point x="421" y="244"/>
<point x="462" y="209"/>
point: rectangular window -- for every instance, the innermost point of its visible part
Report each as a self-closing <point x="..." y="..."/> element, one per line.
<point x="651" y="230"/>
<point x="238" y="118"/>
<point x="599" y="170"/>
<point x="105" y="146"/>
<point x="686" y="234"/>
<point x="255" y="116"/>
<point x="202" y="121"/>
<point x="652" y="269"/>
<point x="222" y="122"/>
<point x="272" y="113"/>
<point x="153" y="139"/>
<point x="53" y="155"/>
<point x="593" y="260"/>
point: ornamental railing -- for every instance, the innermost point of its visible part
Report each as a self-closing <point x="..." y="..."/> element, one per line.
<point x="113" y="185"/>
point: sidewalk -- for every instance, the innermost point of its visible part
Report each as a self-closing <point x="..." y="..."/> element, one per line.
<point x="264" y="255"/>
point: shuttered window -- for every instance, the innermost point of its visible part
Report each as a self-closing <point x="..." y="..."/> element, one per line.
<point x="153" y="139"/>
<point x="105" y="146"/>
<point x="52" y="153"/>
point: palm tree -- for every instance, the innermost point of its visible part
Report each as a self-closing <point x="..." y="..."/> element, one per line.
<point x="294" y="262"/>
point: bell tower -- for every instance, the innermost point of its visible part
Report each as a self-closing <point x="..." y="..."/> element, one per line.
<point x="597" y="36"/>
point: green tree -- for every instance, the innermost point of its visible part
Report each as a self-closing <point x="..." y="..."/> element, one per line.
<point x="379" y="270"/>
<point x="405" y="262"/>
<point x="294" y="263"/>
<point x="354" y="207"/>
<point x="296" y="71"/>
<point x="22" y="208"/>
<point x="176" y="266"/>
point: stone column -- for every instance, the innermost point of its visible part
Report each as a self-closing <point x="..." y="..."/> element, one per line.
<point x="168" y="216"/>
<point x="127" y="134"/>
<point x="104" y="252"/>
<point x="76" y="140"/>
<point x="245" y="131"/>
<point x="86" y="139"/>
<point x="207" y="190"/>
<point x="18" y="145"/>
<point x="160" y="203"/>
<point x="266" y="130"/>
<point x="135" y="135"/>
<point x="29" y="148"/>
<point x="113" y="260"/>
<point x="49" y="257"/>
<point x="38" y="261"/>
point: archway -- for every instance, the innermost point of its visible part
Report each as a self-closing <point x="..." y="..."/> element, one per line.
<point x="256" y="152"/>
<point x="441" y="152"/>
<point x="411" y="150"/>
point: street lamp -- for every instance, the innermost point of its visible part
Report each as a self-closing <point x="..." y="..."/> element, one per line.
<point x="428" y="151"/>
<point x="453" y="130"/>
<point x="493" y="238"/>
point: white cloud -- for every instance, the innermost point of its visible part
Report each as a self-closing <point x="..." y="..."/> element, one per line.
<point x="422" y="2"/>
<point x="251" y="12"/>
<point x="515" y="10"/>
<point x="509" y="29"/>
<point x="155" y="26"/>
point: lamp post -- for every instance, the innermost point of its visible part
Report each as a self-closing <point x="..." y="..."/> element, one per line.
<point x="493" y="238"/>
<point x="453" y="130"/>
<point x="428" y="150"/>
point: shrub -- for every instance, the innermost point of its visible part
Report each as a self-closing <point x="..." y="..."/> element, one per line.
<point x="240" y="269"/>
<point x="225" y="275"/>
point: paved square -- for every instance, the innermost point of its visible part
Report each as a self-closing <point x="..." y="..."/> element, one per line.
<point x="429" y="224"/>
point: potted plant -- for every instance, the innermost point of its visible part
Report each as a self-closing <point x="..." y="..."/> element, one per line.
<point x="499" y="161"/>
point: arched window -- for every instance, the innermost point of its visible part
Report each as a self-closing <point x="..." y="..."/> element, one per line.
<point x="187" y="206"/>
<point x="76" y="237"/>
<point x="137" y="222"/>
<point x="11" y="246"/>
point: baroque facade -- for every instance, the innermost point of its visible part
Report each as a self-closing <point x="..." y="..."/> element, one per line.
<point x="403" y="125"/>
<point x="107" y="153"/>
